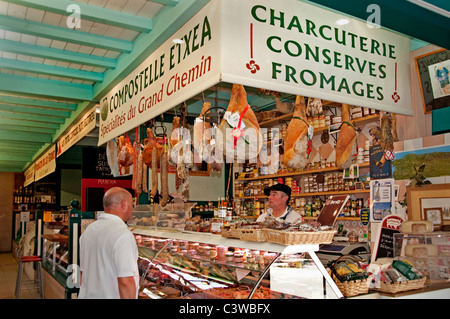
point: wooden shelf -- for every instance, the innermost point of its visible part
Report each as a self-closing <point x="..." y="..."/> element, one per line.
<point x="339" y="218"/>
<point x="359" y="191"/>
<point x="307" y="172"/>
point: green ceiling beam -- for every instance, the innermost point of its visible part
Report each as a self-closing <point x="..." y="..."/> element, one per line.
<point x="56" y="54"/>
<point x="11" y="168"/>
<point x="7" y="99"/>
<point x="28" y="123"/>
<point x="165" y="24"/>
<point x="16" y="151"/>
<point x="22" y="145"/>
<point x="24" y="136"/>
<point x="64" y="34"/>
<point x="33" y="110"/>
<point x="170" y="3"/>
<point x="91" y="13"/>
<point x="32" y="117"/>
<point x="30" y="86"/>
<point x="28" y="129"/>
<point x="15" y="158"/>
<point x="25" y="66"/>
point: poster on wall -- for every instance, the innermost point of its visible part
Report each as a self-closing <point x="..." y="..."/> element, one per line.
<point x="439" y="76"/>
<point x="380" y="166"/>
<point x="382" y="198"/>
<point x="427" y="74"/>
<point x="298" y="48"/>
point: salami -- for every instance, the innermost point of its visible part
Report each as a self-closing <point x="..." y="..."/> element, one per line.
<point x="164" y="179"/>
<point x="154" y="163"/>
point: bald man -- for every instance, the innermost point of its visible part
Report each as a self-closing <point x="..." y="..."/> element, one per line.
<point x="108" y="251"/>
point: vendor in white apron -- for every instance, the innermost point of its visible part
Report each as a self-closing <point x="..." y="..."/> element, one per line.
<point x="279" y="196"/>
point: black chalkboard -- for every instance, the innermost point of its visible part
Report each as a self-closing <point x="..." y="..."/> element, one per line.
<point x="384" y="247"/>
<point x="95" y="164"/>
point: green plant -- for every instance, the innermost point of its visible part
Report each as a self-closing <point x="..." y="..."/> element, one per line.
<point x="419" y="178"/>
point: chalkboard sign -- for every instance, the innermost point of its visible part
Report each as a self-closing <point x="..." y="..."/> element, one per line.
<point x="95" y="164"/>
<point x="385" y="240"/>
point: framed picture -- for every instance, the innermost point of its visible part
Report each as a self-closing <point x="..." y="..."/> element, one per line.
<point x="427" y="77"/>
<point x="428" y="196"/>
<point x="434" y="215"/>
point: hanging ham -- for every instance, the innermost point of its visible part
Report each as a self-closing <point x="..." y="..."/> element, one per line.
<point x="346" y="141"/>
<point x="296" y="141"/>
<point x="241" y="135"/>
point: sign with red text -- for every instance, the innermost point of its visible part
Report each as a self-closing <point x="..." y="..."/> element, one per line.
<point x="175" y="72"/>
<point x="29" y="176"/>
<point x="46" y="164"/>
<point x="384" y="246"/>
<point x="77" y="132"/>
<point x="295" y="47"/>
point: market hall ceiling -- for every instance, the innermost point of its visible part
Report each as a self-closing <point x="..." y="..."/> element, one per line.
<point x="59" y="57"/>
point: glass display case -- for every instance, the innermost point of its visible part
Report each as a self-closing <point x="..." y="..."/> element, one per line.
<point x="191" y="265"/>
<point x="429" y="253"/>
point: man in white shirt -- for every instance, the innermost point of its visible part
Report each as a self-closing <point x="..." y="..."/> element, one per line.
<point x="279" y="196"/>
<point x="108" y="251"/>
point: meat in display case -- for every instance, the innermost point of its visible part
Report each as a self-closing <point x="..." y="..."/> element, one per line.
<point x="177" y="264"/>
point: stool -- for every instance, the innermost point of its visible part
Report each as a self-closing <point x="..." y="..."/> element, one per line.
<point x="29" y="284"/>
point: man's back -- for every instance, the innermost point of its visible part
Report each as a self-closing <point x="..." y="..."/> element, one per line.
<point x="107" y="251"/>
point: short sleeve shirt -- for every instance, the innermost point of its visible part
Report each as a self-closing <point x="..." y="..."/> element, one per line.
<point x="108" y="250"/>
<point x="289" y="215"/>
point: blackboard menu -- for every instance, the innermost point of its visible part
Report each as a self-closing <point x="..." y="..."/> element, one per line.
<point x="95" y="164"/>
<point x="384" y="247"/>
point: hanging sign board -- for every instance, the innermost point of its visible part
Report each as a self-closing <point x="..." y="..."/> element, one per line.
<point x="46" y="164"/>
<point x="29" y="176"/>
<point x="77" y="132"/>
<point x="171" y="75"/>
<point x="295" y="47"/>
<point x="384" y="247"/>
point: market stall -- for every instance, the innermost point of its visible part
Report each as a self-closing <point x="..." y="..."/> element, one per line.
<point x="304" y="103"/>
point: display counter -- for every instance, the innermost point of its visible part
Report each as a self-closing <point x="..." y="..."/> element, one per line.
<point x="226" y="266"/>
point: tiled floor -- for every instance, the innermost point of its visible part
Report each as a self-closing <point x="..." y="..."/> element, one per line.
<point x="8" y="275"/>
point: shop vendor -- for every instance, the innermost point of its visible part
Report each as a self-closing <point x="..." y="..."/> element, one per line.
<point x="279" y="196"/>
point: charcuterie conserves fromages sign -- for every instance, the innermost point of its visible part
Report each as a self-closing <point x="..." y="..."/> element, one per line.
<point x="295" y="47"/>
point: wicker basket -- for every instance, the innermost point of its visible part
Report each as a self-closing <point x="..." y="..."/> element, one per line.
<point x="299" y="237"/>
<point x="402" y="286"/>
<point x="252" y="234"/>
<point x="230" y="233"/>
<point x="349" y="288"/>
<point x="352" y="288"/>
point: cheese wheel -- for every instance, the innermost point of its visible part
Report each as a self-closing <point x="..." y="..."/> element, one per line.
<point x="421" y="250"/>
<point x="416" y="227"/>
